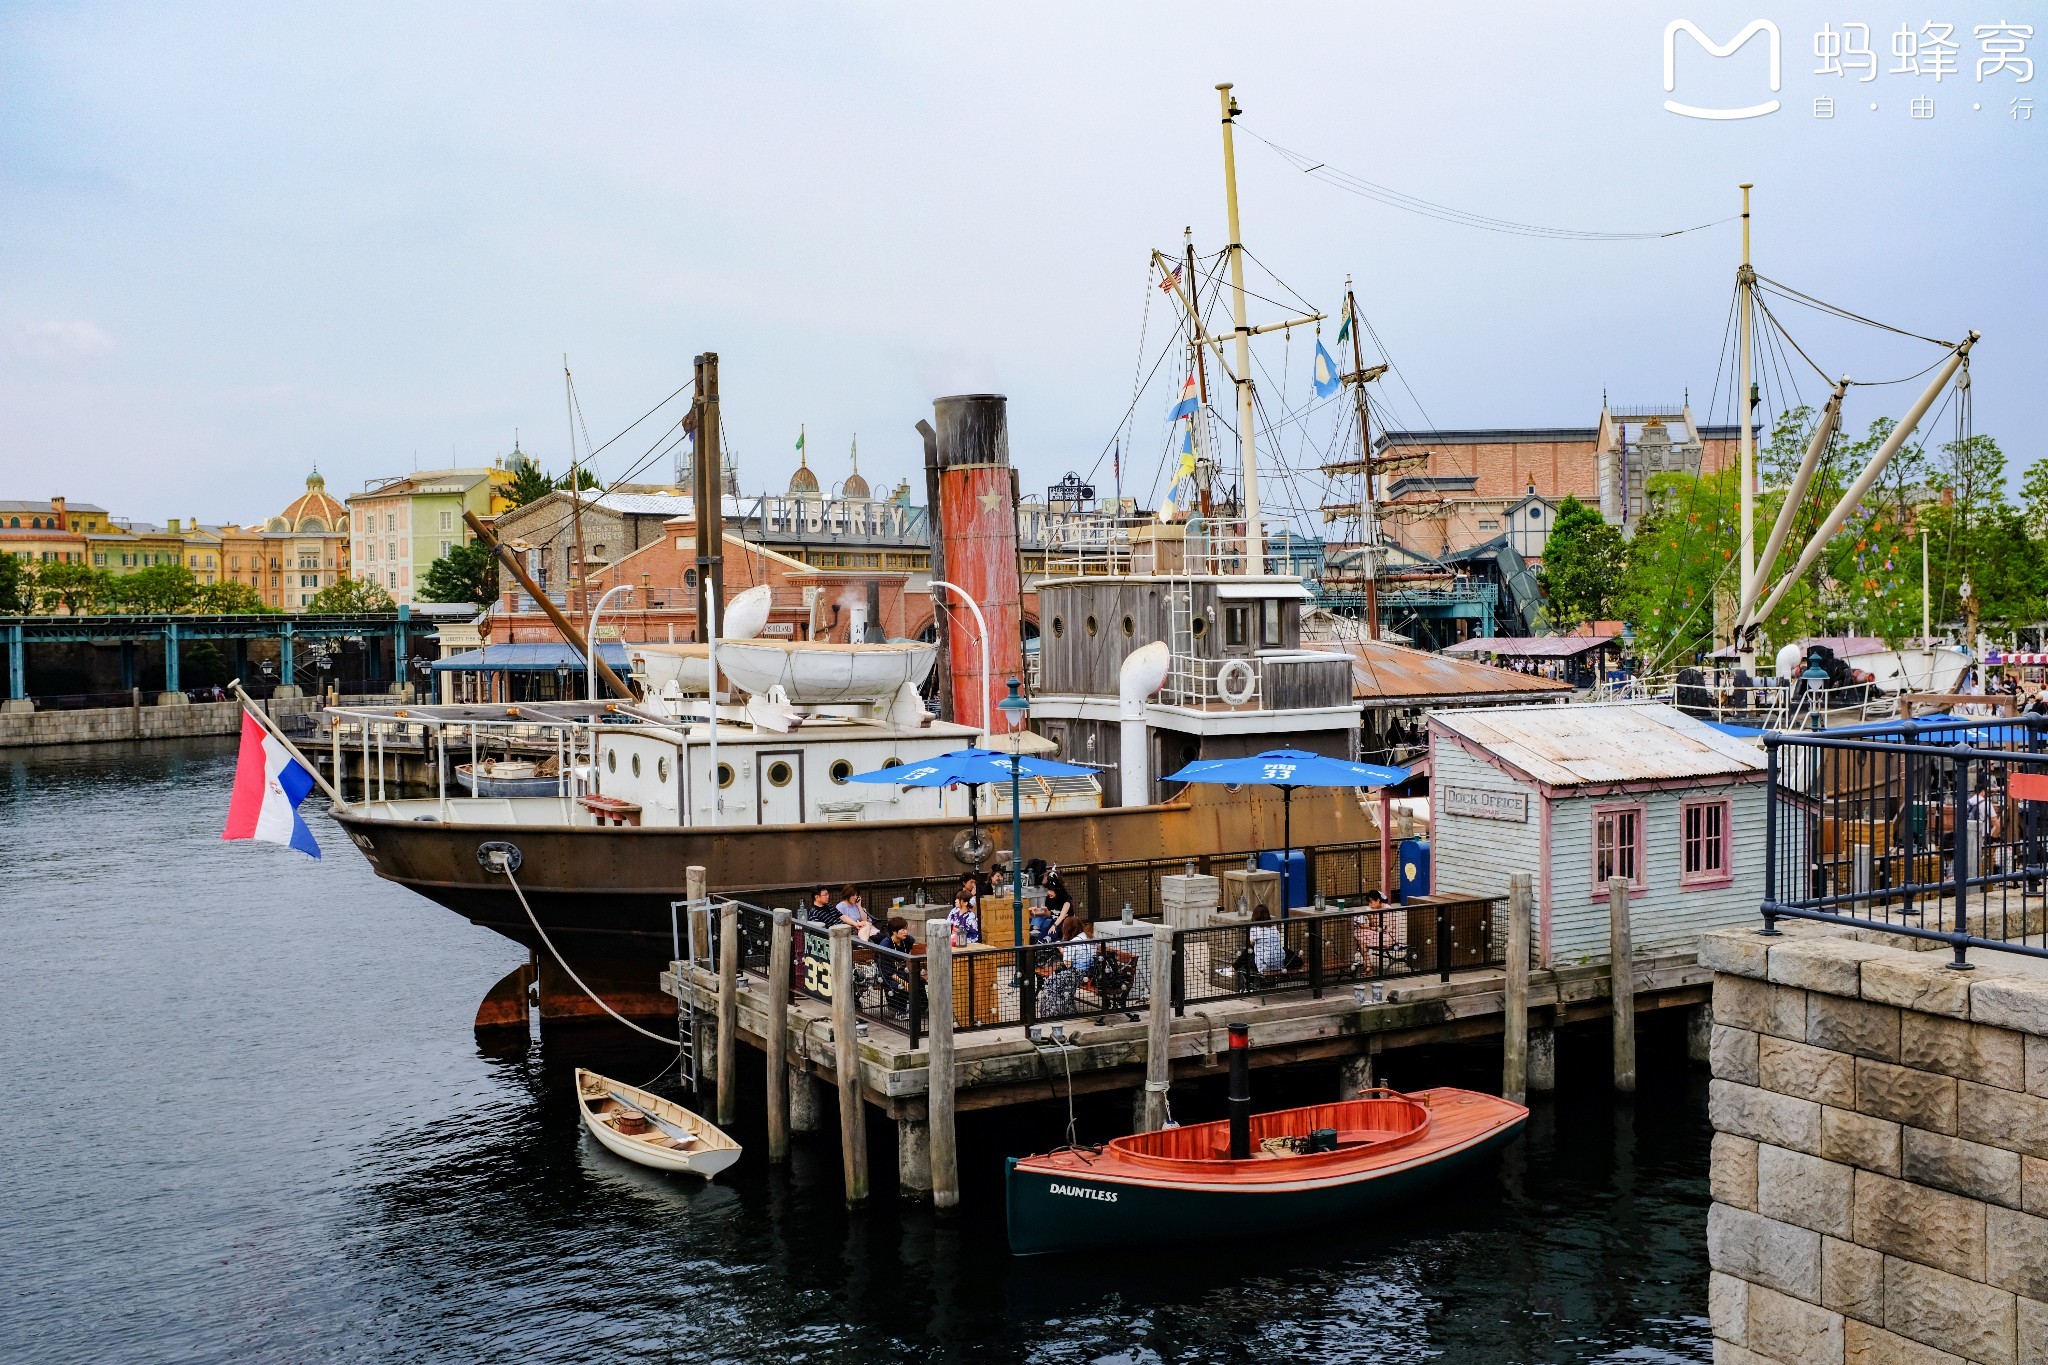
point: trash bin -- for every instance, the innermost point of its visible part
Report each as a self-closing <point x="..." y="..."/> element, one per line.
<point x="1294" y="880"/>
<point x="1414" y="868"/>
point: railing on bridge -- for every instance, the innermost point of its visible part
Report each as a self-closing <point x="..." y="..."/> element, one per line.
<point x="1931" y="829"/>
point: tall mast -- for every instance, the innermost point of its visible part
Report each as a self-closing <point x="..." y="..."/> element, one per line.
<point x="1745" y="283"/>
<point x="1205" y="463"/>
<point x="1247" y="438"/>
<point x="575" y="504"/>
<point x="1369" y="511"/>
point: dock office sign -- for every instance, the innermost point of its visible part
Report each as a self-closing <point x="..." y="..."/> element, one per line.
<point x="1479" y="803"/>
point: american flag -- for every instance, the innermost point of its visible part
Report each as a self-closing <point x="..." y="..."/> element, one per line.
<point x="1171" y="282"/>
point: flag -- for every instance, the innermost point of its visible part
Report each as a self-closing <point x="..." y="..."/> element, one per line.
<point x="799" y="438"/>
<point x="1188" y="404"/>
<point x="1171" y="282"/>
<point x="1344" y="328"/>
<point x="1180" y="493"/>
<point x="1326" y="375"/>
<point x="269" y="785"/>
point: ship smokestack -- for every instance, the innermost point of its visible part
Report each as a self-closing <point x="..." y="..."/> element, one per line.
<point x="976" y="539"/>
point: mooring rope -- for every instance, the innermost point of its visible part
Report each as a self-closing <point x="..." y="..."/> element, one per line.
<point x="505" y="868"/>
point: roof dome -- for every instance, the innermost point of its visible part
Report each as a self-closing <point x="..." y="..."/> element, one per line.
<point x="314" y="511"/>
<point x="855" y="486"/>
<point x="803" y="483"/>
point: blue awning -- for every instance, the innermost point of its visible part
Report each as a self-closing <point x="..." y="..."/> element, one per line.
<point x="529" y="657"/>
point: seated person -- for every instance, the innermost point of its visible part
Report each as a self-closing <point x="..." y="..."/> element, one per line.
<point x="1056" y="993"/>
<point x="896" y="971"/>
<point x="1059" y="904"/>
<point x="855" y="915"/>
<point x="1374" y="931"/>
<point x="1078" y="949"/>
<point x="1268" y="948"/>
<point x="965" y="920"/>
<point x="821" y="911"/>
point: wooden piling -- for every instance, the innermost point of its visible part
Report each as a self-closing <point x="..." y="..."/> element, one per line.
<point x="1514" y="1081"/>
<point x="728" y="1013"/>
<point x="777" y="1037"/>
<point x="938" y="997"/>
<point x="1621" y="982"/>
<point x="853" y="1126"/>
<point x="1159" y="1029"/>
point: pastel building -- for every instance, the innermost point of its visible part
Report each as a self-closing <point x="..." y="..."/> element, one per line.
<point x="399" y="527"/>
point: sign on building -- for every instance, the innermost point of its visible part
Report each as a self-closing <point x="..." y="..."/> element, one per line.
<point x="1480" y="803"/>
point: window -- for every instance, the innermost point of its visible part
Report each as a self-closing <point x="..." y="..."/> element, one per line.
<point x="1130" y="627"/>
<point x="1270" y="612"/>
<point x="447" y="523"/>
<point x="1617" y="846"/>
<point x="1703" y="828"/>
<point x="394" y="578"/>
<point x="841" y="771"/>
<point x="611" y="760"/>
<point x="636" y="765"/>
<point x="1092" y="625"/>
<point x="779" y="774"/>
<point x="725" y="775"/>
<point x="446" y="545"/>
<point x="1237" y="626"/>
<point x="1059" y="627"/>
<point x="391" y="521"/>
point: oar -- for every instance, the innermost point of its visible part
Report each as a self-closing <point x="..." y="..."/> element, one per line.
<point x="674" y="1130"/>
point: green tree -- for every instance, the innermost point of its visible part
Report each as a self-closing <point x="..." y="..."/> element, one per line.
<point x="350" y="597"/>
<point x="580" y="475"/>
<point x="230" y="599"/>
<point x="17" y="585"/>
<point x="158" y="590"/>
<point x="73" y="588"/>
<point x="2034" y="497"/>
<point x="529" y="485"/>
<point x="1582" y="565"/>
<point x="467" y="573"/>
<point x="1678" y="578"/>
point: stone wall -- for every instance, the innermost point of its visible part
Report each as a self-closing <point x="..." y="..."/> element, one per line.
<point x="1880" y="1160"/>
<point x="107" y="724"/>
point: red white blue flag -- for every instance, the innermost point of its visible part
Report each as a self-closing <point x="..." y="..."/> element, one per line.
<point x="269" y="785"/>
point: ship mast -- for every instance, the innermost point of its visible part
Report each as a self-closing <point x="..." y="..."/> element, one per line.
<point x="1369" y="518"/>
<point x="1247" y="437"/>
<point x="1745" y="407"/>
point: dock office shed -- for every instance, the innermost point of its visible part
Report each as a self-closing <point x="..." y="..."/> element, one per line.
<point x="1575" y="794"/>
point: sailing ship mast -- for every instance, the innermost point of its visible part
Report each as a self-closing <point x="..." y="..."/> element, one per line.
<point x="1745" y="285"/>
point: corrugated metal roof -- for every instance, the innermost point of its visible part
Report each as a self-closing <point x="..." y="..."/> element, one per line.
<point x="528" y="657"/>
<point x="1531" y="647"/>
<point x="1385" y="672"/>
<point x="1591" y="743"/>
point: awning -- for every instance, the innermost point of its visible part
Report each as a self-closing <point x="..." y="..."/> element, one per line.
<point x="1533" y="646"/>
<point x="529" y="657"/>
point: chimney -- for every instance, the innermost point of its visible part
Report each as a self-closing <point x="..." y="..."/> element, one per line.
<point x="172" y="526"/>
<point x="977" y="525"/>
<point x="63" y="519"/>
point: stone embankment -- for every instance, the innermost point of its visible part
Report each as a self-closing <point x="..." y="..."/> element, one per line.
<point x="19" y="729"/>
<point x="1880" y="1161"/>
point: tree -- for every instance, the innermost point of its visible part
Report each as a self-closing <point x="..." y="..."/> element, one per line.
<point x="2034" y="497"/>
<point x="1582" y="565"/>
<point x="529" y="485"/>
<point x="73" y="588"/>
<point x="158" y="590"/>
<point x="351" y="596"/>
<point x="580" y="476"/>
<point x="229" y="599"/>
<point x="467" y="573"/>
<point x="17" y="585"/>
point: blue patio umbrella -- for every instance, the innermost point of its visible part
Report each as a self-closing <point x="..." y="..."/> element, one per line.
<point x="1288" y="769"/>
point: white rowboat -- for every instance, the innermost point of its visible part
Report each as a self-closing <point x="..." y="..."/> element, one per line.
<point x="612" y="1110"/>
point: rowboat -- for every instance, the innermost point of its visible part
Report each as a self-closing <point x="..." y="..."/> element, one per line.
<point x="641" y="1126"/>
<point x="1318" y="1164"/>
<point x="507" y="777"/>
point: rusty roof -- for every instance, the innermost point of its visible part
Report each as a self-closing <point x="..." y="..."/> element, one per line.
<point x="1596" y="743"/>
<point x="1531" y="646"/>
<point x="1383" y="673"/>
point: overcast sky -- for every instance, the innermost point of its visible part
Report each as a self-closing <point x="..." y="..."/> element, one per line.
<point x="239" y="241"/>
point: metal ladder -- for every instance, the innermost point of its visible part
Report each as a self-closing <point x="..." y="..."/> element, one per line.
<point x="684" y="919"/>
<point x="1184" y="670"/>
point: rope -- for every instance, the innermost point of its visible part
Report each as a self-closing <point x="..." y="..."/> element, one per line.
<point x="557" y="956"/>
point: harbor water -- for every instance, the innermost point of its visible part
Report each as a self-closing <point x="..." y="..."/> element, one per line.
<point x="247" y="1120"/>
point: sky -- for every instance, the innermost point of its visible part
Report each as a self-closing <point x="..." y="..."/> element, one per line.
<point x="237" y="242"/>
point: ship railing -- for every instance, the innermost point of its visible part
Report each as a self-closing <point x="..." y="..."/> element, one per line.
<point x="1935" y="830"/>
<point x="1195" y="681"/>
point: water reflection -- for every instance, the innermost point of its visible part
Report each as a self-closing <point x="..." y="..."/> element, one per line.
<point x="331" y="1168"/>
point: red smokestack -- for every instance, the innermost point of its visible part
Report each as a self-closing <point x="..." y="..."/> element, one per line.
<point x="977" y="529"/>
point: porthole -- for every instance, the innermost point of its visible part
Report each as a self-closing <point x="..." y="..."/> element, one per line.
<point x="1201" y="627"/>
<point x="725" y="775"/>
<point x="1130" y="627"/>
<point x="1059" y="626"/>
<point x="661" y="768"/>
<point x="1091" y="625"/>
<point x="841" y="771"/>
<point x="892" y="762"/>
<point x="636" y="765"/>
<point x="779" y="774"/>
<point x="611" y="760"/>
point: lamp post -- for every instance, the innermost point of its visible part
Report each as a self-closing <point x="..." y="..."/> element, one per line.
<point x="1016" y="711"/>
<point x="590" y="654"/>
<point x="562" y="681"/>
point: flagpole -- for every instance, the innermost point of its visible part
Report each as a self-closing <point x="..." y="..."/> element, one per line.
<point x="249" y="709"/>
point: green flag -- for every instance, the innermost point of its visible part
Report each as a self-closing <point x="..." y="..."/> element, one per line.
<point x="799" y="438"/>
<point x="1344" y="331"/>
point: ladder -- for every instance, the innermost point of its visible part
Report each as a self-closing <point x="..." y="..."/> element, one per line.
<point x="685" y="920"/>
<point x="1185" y="679"/>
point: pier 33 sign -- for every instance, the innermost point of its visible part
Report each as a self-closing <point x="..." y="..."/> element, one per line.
<point x="1926" y="54"/>
<point x="1479" y="803"/>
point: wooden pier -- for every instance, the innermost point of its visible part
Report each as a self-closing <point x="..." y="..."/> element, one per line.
<point x="986" y="1068"/>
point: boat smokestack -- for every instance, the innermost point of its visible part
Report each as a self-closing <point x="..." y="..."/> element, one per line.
<point x="976" y="536"/>
<point x="1240" y="1093"/>
<point x="1143" y="672"/>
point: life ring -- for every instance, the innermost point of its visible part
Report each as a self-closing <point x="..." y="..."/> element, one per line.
<point x="1235" y="682"/>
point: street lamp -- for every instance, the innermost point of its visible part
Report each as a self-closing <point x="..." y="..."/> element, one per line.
<point x="590" y="654"/>
<point x="562" y="681"/>
<point x="1016" y="711"/>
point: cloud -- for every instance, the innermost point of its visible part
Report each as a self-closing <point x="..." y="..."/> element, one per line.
<point x="60" y="339"/>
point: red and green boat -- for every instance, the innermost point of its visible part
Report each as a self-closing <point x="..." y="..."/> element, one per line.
<point x="1294" y="1168"/>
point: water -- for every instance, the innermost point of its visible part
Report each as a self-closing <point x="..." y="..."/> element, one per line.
<point x="245" y="1120"/>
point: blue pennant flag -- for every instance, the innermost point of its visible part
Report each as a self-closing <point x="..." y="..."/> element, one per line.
<point x="1326" y="376"/>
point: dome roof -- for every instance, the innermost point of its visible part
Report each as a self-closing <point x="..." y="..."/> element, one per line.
<point x="314" y="511"/>
<point x="803" y="483"/>
<point x="855" y="486"/>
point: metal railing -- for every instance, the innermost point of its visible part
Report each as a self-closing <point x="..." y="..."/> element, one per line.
<point x="1934" y="830"/>
<point x="1116" y="969"/>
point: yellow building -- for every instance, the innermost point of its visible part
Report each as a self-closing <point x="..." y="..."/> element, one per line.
<point x="296" y="553"/>
<point x="401" y="526"/>
<point x="47" y="532"/>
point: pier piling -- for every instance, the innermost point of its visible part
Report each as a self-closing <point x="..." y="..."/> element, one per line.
<point x="1542" y="1060"/>
<point x="1514" y="1084"/>
<point x="1159" y="1030"/>
<point x="1699" y="1034"/>
<point x="940" y="1138"/>
<point x="853" y="1126"/>
<point x="728" y="1013"/>
<point x="776" y="1049"/>
<point x="1621" y="984"/>
<point x="914" y="1158"/>
<point x="806" y="1113"/>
